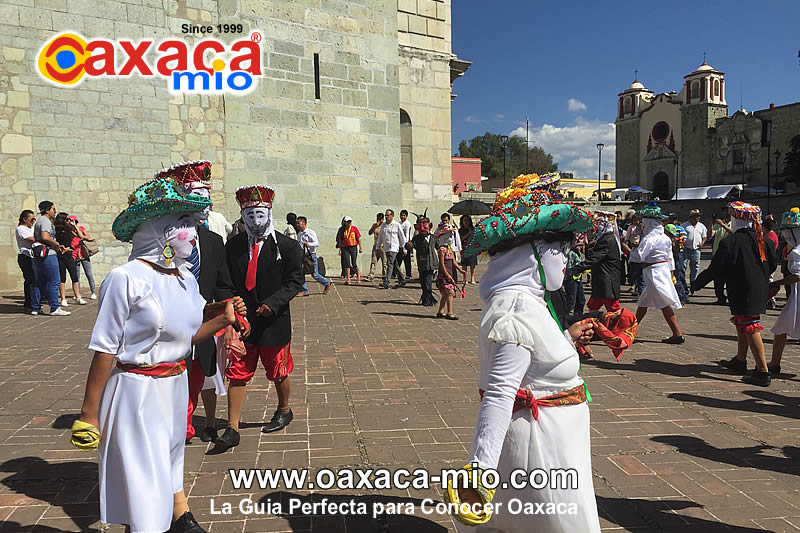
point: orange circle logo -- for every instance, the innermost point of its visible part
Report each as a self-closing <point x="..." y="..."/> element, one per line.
<point x="61" y="60"/>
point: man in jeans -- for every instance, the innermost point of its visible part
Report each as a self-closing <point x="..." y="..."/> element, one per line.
<point x="310" y="243"/>
<point x="392" y="241"/>
<point x="408" y="233"/>
<point x="45" y="261"/>
<point x="696" y="237"/>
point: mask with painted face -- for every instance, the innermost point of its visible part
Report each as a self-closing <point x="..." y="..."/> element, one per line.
<point x="257" y="221"/>
<point x="202" y="216"/>
<point x="153" y="236"/>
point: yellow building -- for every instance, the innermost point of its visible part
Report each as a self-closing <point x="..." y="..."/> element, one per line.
<point x="576" y="188"/>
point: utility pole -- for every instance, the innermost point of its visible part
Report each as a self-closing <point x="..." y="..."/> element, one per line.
<point x="527" y="147"/>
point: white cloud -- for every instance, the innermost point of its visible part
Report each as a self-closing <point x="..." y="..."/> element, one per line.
<point x="499" y="118"/>
<point x="576" y="106"/>
<point x="573" y="147"/>
<point x="473" y="120"/>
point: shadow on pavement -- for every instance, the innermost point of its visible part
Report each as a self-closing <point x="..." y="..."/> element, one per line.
<point x="409" y="315"/>
<point x="637" y="514"/>
<point x="787" y="406"/>
<point x="63" y="485"/>
<point x="336" y="523"/>
<point x="653" y="366"/>
<point x="746" y="457"/>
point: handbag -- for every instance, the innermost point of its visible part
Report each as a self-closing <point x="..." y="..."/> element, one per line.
<point x="89" y="247"/>
<point x="308" y="264"/>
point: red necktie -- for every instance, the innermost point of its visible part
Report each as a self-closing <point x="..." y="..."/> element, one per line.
<point x="252" y="268"/>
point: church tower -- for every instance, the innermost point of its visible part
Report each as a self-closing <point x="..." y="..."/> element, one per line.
<point x="629" y="105"/>
<point x="702" y="103"/>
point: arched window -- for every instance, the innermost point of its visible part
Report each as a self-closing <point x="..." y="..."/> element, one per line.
<point x="695" y="89"/>
<point x="716" y="89"/>
<point x="406" y="148"/>
<point x="627" y="105"/>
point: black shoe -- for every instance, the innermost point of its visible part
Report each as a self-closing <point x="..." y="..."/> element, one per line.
<point x="774" y="370"/>
<point x="734" y="365"/>
<point x="209" y="434"/>
<point x="229" y="439"/>
<point x="186" y="524"/>
<point x="278" y="422"/>
<point x="721" y="302"/>
<point x="674" y="340"/>
<point x="756" y="377"/>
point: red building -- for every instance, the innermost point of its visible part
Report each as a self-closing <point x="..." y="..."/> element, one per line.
<point x="466" y="174"/>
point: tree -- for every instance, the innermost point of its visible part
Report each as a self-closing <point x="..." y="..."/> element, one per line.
<point x="791" y="161"/>
<point x="489" y="147"/>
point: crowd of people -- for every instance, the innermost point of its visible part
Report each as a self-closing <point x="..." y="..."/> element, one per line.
<point x="233" y="284"/>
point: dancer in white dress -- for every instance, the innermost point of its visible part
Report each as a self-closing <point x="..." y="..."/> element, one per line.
<point x="655" y="255"/>
<point x="533" y="412"/>
<point x="788" y="323"/>
<point x="150" y="313"/>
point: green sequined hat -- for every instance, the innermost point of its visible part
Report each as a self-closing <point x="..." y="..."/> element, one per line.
<point x="524" y="215"/>
<point x="652" y="211"/>
<point x="791" y="218"/>
<point x="158" y="197"/>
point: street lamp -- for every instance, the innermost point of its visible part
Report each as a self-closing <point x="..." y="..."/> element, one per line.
<point x="599" y="164"/>
<point x="777" y="156"/>
<point x="504" y="139"/>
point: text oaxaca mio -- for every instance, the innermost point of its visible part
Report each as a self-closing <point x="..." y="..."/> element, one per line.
<point x="208" y="66"/>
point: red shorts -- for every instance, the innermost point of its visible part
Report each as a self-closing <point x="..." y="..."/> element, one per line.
<point x="277" y="361"/>
<point x="747" y="323"/>
<point x="611" y="304"/>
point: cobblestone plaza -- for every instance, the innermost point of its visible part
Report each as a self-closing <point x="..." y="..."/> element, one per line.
<point x="678" y="444"/>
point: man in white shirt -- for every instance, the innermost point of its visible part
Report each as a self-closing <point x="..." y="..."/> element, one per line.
<point x="408" y="233"/>
<point x="392" y="241"/>
<point x="219" y="225"/>
<point x="697" y="235"/>
<point x="310" y="243"/>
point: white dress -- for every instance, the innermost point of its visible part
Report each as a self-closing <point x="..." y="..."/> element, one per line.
<point x="217" y="381"/>
<point x="144" y="318"/>
<point x="659" y="291"/>
<point x="788" y="322"/>
<point x="521" y="347"/>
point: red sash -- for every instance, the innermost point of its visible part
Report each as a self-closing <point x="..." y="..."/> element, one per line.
<point x="162" y="370"/>
<point x="525" y="399"/>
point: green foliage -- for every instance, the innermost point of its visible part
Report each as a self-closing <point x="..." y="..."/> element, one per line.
<point x="791" y="160"/>
<point x="489" y="147"/>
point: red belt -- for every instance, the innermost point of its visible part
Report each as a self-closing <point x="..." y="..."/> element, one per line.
<point x="651" y="264"/>
<point x="162" y="370"/>
<point x="526" y="400"/>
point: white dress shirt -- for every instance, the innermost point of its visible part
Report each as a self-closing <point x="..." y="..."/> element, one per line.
<point x="696" y="234"/>
<point x="392" y="239"/>
<point x="408" y="230"/>
<point x="309" y="236"/>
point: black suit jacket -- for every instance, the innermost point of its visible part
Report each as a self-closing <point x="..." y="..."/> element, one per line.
<point x="215" y="286"/>
<point x="605" y="262"/>
<point x="738" y="263"/>
<point x="277" y="282"/>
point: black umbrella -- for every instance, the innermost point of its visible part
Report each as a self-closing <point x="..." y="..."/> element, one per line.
<point x="470" y="207"/>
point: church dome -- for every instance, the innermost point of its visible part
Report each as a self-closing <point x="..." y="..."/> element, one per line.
<point x="636" y="85"/>
<point x="704" y="67"/>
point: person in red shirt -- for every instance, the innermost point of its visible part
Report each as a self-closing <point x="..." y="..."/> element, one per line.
<point x="348" y="241"/>
<point x="771" y="236"/>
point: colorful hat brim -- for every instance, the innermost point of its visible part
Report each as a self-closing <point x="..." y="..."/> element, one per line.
<point x="128" y="221"/>
<point x="524" y="216"/>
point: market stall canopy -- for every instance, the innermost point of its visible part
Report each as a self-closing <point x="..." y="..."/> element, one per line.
<point x="760" y="189"/>
<point x="636" y="188"/>
<point x="704" y="193"/>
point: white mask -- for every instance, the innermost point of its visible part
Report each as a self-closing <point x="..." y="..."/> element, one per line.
<point x="790" y="235"/>
<point x="257" y="221"/>
<point x="738" y="223"/>
<point x="554" y="264"/>
<point x="152" y="236"/>
<point x="202" y="216"/>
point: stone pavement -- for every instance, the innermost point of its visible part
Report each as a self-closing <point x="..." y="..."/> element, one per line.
<point x="678" y="444"/>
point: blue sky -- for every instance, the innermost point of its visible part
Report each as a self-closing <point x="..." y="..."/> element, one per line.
<point x="562" y="64"/>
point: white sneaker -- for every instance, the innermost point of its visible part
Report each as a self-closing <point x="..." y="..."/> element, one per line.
<point x="80" y="301"/>
<point x="93" y="296"/>
<point x="60" y="312"/>
<point x="34" y="313"/>
<point x="64" y="303"/>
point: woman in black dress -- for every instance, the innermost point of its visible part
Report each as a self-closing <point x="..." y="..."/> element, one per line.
<point x="465" y="232"/>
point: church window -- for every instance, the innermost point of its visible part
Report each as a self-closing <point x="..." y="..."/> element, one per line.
<point x="660" y="132"/>
<point x="716" y="89"/>
<point x="406" y="148"/>
<point x="628" y="105"/>
<point x="695" y="89"/>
